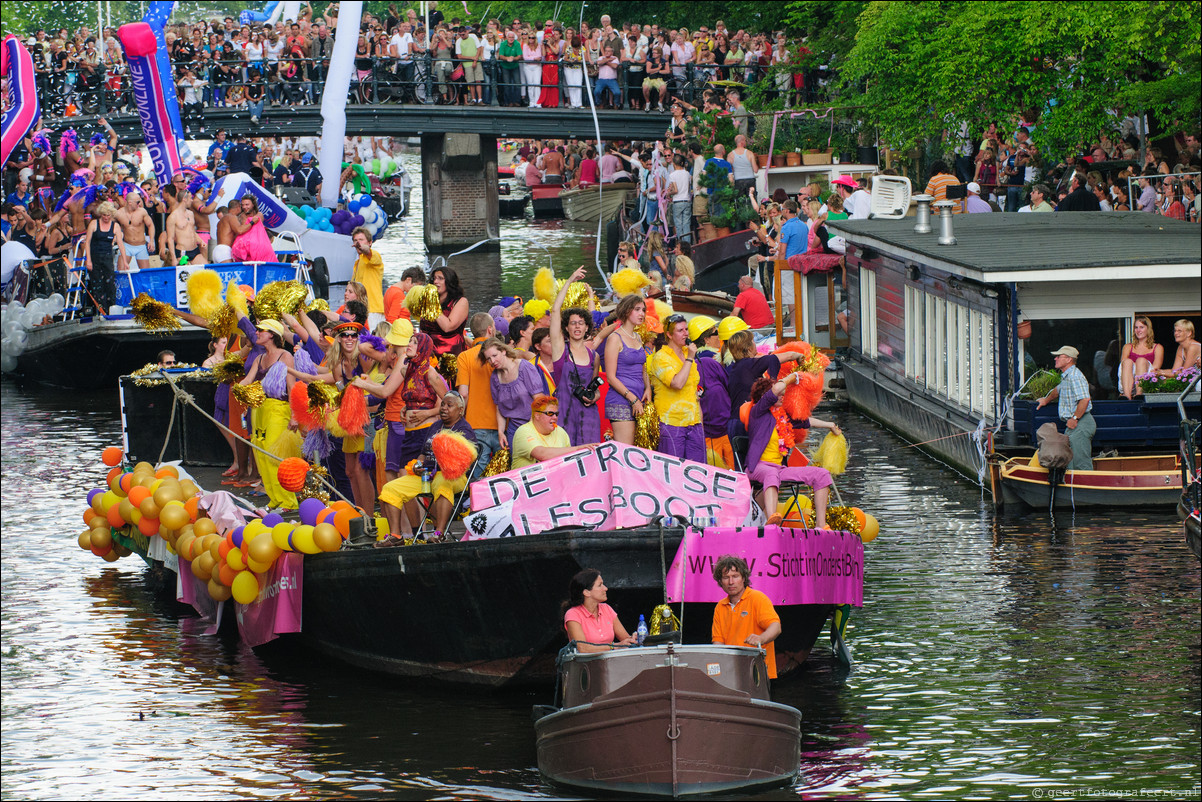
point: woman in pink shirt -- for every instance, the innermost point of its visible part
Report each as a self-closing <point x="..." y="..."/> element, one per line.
<point x="589" y="621"/>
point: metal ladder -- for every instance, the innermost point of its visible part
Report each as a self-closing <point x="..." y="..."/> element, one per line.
<point x="77" y="278"/>
<point x="302" y="265"/>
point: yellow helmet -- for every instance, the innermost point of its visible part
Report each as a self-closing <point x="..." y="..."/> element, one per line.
<point x="730" y="325"/>
<point x="700" y="325"/>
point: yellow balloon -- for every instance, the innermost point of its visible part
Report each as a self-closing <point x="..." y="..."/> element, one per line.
<point x="173" y="516"/>
<point x="108" y="499"/>
<point x="253" y="529"/>
<point x="256" y="566"/>
<point x="326" y="537"/>
<point x="85" y="539"/>
<point x="262" y="549"/>
<point x="245" y="588"/>
<point x="171" y="548"/>
<point x="219" y="592"/>
<point x="233" y="558"/>
<point x="872" y="528"/>
<point x="302" y="540"/>
<point x="279" y="535"/>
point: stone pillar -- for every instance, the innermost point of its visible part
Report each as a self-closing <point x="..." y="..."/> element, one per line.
<point x="459" y="181"/>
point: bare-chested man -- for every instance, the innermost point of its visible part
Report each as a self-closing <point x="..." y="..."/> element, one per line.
<point x="138" y="229"/>
<point x="226" y="217"/>
<point x="551" y="163"/>
<point x="181" y="231"/>
<point x="43" y="164"/>
<point x="202" y="208"/>
<point x="101" y="150"/>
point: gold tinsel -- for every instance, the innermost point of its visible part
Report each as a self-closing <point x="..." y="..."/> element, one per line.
<point x="230" y="370"/>
<point x="224" y="323"/>
<point x="318" y="304"/>
<point x="814" y="362"/>
<point x="448" y="368"/>
<point x="842" y="519"/>
<point x="313" y="486"/>
<point x="423" y="304"/>
<point x="646" y="428"/>
<point x="151" y="314"/>
<point x="323" y="396"/>
<point x="657" y="618"/>
<point x="499" y="462"/>
<point x="577" y="296"/>
<point x="249" y="395"/>
<point x="279" y="298"/>
<point x="149" y="375"/>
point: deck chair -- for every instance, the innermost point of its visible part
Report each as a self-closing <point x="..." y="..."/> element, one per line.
<point x="789" y="491"/>
<point x="459" y="505"/>
<point x="890" y="197"/>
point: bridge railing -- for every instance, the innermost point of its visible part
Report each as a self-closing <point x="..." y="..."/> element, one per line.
<point x="383" y="80"/>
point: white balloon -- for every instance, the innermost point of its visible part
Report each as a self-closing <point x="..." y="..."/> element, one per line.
<point x="31" y="317"/>
<point x="8" y="363"/>
<point x="16" y="306"/>
<point x="57" y="302"/>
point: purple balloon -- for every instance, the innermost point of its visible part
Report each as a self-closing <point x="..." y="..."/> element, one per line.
<point x="271" y="519"/>
<point x="338" y="216"/>
<point x="357" y="220"/>
<point x="236" y="536"/>
<point x="310" y="508"/>
<point x="93" y="494"/>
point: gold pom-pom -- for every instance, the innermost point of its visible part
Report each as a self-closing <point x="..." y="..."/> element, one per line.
<point x="204" y="293"/>
<point x="628" y="281"/>
<point x="230" y="370"/>
<point x="448" y="368"/>
<point x="832" y="454"/>
<point x="323" y="396"/>
<point x="545" y="285"/>
<point x="842" y="519"/>
<point x="249" y="395"/>
<point x="279" y="298"/>
<point x="287" y="445"/>
<point x="423" y="304"/>
<point x="646" y="428"/>
<point x="658" y="619"/>
<point x="318" y="304"/>
<point x="151" y="314"/>
<point x="223" y="322"/>
<point x="662" y="310"/>
<point x="499" y="463"/>
<point x="235" y="298"/>
<point x="313" y="485"/>
<point x="577" y="296"/>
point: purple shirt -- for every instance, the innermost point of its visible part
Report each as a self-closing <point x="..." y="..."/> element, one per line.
<point x="715" y="402"/>
<point x="256" y="350"/>
<point x="1147" y="199"/>
<point x="513" y="399"/>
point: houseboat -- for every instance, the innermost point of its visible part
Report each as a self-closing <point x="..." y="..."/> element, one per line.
<point x="943" y="337"/>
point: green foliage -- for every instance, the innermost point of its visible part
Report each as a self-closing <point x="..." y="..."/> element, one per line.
<point x="1040" y="384"/>
<point x="920" y="69"/>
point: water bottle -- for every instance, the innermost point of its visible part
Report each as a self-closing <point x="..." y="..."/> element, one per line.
<point x="640" y="634"/>
<point x="425" y="480"/>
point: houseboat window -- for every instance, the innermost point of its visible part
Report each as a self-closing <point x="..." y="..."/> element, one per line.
<point x="949" y="349"/>
<point x="916" y="359"/>
<point x="868" y="313"/>
<point x="1093" y="337"/>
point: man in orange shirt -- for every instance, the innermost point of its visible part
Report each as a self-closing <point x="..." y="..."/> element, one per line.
<point x="394" y="296"/>
<point x="745" y="617"/>
<point x="472" y="382"/>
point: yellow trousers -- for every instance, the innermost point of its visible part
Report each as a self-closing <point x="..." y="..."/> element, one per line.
<point x="406" y="488"/>
<point x="270" y="420"/>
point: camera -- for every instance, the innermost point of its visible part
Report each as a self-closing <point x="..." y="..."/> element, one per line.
<point x="584" y="392"/>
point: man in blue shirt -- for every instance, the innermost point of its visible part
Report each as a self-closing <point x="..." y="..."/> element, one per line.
<point x="220" y="148"/>
<point x="793" y="241"/>
<point x="1073" y="408"/>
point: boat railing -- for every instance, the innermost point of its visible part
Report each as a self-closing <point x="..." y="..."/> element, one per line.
<point x="1191" y="432"/>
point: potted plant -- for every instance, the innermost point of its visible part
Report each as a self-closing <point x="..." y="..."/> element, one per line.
<point x="725" y="219"/>
<point x="1159" y="389"/>
<point x="1040" y="384"/>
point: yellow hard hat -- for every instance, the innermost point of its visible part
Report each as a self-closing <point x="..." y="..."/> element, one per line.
<point x="730" y="325"/>
<point x="700" y="325"/>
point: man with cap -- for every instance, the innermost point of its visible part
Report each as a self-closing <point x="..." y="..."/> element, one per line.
<point x="1073" y="408"/>
<point x="974" y="204"/>
<point x="715" y="399"/>
<point x="751" y="305"/>
<point x="856" y="202"/>
<point x="309" y="176"/>
<point x="472" y="382"/>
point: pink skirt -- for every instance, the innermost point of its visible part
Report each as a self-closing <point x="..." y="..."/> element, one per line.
<point x="254" y="246"/>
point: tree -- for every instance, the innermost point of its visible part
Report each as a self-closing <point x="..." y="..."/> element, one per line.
<point x="920" y="67"/>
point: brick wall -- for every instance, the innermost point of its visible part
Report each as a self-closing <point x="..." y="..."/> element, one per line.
<point x="459" y="179"/>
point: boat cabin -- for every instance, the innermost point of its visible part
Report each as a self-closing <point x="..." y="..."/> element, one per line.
<point x="944" y="337"/>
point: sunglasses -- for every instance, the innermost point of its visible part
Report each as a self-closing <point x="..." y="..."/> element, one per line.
<point x="170" y="364"/>
<point x="550" y="413"/>
<point x="349" y="334"/>
<point x="672" y="320"/>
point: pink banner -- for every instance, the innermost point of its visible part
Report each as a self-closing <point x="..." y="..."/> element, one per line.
<point x="610" y="486"/>
<point x="195" y="593"/>
<point x="278" y="608"/>
<point x="792" y="566"/>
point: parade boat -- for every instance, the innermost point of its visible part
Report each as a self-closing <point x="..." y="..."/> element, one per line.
<point x="667" y="720"/>
<point x="597" y="202"/>
<point x="93" y="351"/>
<point x="1145" y="482"/>
<point x="545" y="200"/>
<point x="720" y="262"/>
<point x="945" y="337"/>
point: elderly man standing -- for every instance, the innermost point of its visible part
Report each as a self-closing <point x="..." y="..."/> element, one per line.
<point x="1074" y="408"/>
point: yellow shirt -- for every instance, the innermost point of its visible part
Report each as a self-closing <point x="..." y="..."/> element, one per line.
<point x="674" y="407"/>
<point x="772" y="450"/>
<point x="527" y="438"/>
<point x="369" y="271"/>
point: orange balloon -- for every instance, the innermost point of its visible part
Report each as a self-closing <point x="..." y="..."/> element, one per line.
<point x="192" y="506"/>
<point x="167" y="470"/>
<point x="224" y="549"/>
<point x="227" y="575"/>
<point x="861" y="519"/>
<point x="112" y="455"/>
<point x="137" y="494"/>
<point x="126" y="482"/>
<point x="340" y="505"/>
<point x="101" y="552"/>
<point x="327" y="513"/>
<point x="114" y="517"/>
<point x="88" y="515"/>
<point x="148" y="526"/>
<point x="342" y="521"/>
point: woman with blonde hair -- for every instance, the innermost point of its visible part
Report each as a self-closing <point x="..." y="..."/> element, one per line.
<point x="626" y="369"/>
<point x="103" y="240"/>
<point x="1189" y="350"/>
<point x="1143" y="355"/>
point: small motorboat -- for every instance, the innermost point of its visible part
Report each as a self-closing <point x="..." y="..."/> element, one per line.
<point x="714" y="304"/>
<point x="666" y="720"/>
<point x="1132" y="481"/>
<point x="546" y="201"/>
<point x="596" y="202"/>
<point x="512" y="199"/>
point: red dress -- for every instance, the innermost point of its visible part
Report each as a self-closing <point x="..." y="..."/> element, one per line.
<point x="549" y="98"/>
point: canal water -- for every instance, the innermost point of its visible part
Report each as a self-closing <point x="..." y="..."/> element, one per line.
<point x="994" y="656"/>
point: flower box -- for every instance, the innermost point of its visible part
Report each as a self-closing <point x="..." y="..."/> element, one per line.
<point x="1171" y="398"/>
<point x="817" y="157"/>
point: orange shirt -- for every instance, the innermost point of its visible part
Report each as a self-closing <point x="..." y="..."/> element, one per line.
<point x="394" y="303"/>
<point x="937" y="188"/>
<point x="751" y="616"/>
<point x="481" y="412"/>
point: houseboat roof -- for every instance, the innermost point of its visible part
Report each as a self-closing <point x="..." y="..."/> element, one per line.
<point x="1065" y="246"/>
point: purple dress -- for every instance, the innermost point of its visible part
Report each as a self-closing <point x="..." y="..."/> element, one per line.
<point x="631" y="364"/>
<point x="513" y="399"/>
<point x="582" y="422"/>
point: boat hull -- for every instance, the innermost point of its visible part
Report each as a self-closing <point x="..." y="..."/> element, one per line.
<point x="473" y="589"/>
<point x="1143" y="482"/>
<point x="545" y="200"/>
<point x="671" y="730"/>
<point x="721" y="261"/>
<point x="592" y="204"/>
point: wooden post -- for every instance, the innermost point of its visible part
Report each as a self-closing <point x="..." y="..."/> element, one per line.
<point x="779" y="266"/>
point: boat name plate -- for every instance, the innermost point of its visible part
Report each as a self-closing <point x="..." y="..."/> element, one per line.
<point x="713" y="669"/>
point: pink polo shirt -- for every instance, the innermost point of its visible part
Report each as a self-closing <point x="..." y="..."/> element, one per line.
<point x="597" y="628"/>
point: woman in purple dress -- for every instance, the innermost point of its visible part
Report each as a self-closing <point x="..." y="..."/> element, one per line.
<point x="576" y="368"/>
<point x="626" y="369"/>
<point x="514" y="383"/>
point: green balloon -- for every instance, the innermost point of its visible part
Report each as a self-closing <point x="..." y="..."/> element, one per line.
<point x="374" y="166"/>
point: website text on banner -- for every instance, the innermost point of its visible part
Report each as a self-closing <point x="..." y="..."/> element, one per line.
<point x="792" y="566"/>
<point x="278" y="609"/>
<point x="612" y="486"/>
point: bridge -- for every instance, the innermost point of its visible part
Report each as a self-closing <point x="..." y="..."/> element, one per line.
<point x="458" y="147"/>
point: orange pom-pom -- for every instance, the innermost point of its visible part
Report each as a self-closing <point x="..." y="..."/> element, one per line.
<point x="454" y="453"/>
<point x="800" y="346"/>
<point x="298" y="399"/>
<point x="410" y="467"/>
<point x="801" y="398"/>
<point x="352" y="415"/>
<point x="292" y="473"/>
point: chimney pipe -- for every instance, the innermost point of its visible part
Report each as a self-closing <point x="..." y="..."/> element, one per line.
<point x="944" y="208"/>
<point x="922" y="221"/>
